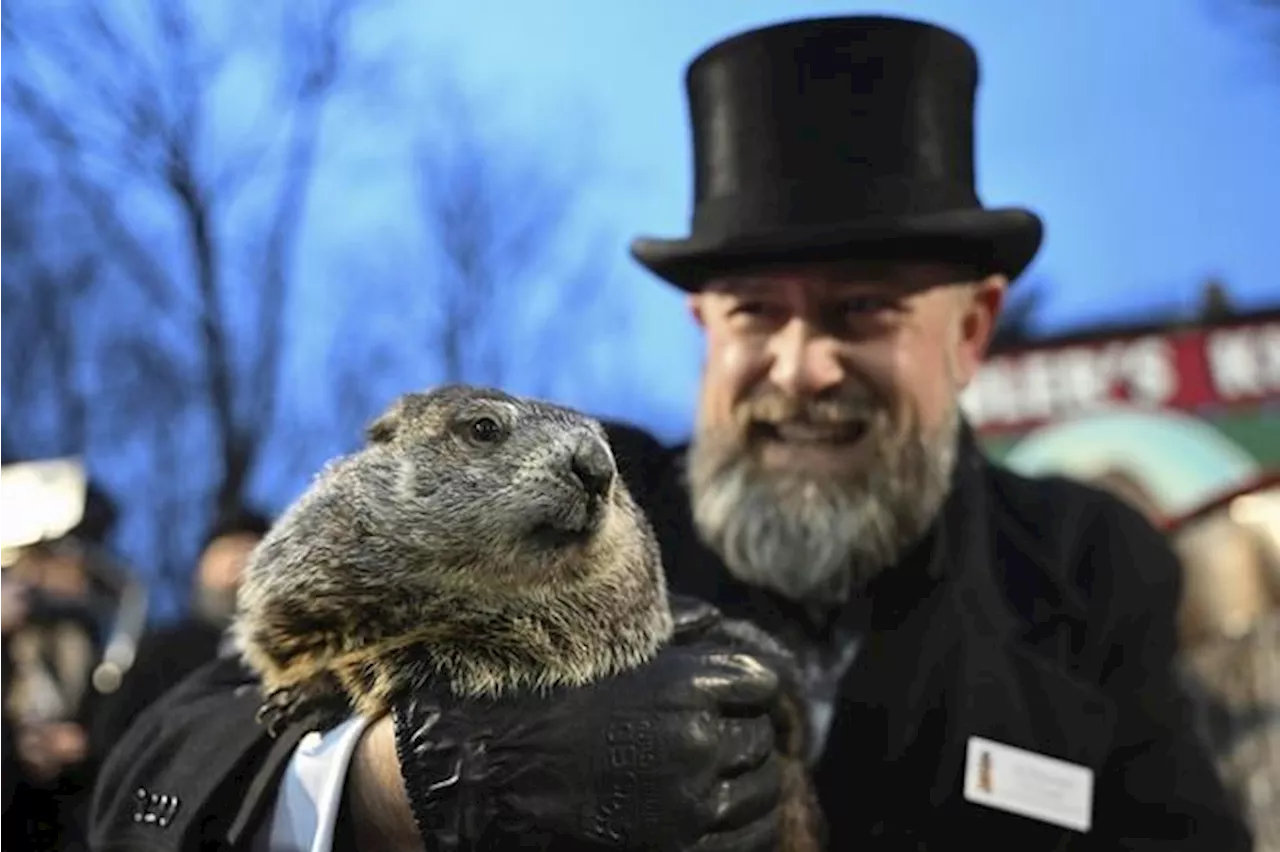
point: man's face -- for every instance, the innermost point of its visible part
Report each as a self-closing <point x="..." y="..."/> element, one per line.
<point x="828" y="416"/>
<point x="221" y="566"/>
<point x="59" y="571"/>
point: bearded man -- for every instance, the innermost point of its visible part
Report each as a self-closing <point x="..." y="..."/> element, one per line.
<point x="987" y="658"/>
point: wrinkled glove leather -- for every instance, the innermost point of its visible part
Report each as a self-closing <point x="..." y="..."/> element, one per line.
<point x="676" y="755"/>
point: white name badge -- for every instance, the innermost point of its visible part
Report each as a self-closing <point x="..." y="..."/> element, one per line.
<point x="1029" y="784"/>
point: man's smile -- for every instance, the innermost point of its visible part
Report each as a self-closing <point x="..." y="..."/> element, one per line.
<point x="833" y="434"/>
<point x="799" y="444"/>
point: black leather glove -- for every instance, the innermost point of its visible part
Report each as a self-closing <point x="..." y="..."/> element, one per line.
<point x="676" y="755"/>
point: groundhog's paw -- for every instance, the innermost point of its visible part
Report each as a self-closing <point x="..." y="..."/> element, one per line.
<point x="282" y="707"/>
<point x="322" y="708"/>
<point x="278" y="710"/>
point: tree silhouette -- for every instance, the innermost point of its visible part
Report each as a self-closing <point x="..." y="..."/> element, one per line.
<point x="492" y="217"/>
<point x="42" y="296"/>
<point x="1215" y="301"/>
<point x="121" y="97"/>
<point x="151" y="246"/>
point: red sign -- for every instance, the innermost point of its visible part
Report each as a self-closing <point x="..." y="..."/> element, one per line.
<point x="1188" y="369"/>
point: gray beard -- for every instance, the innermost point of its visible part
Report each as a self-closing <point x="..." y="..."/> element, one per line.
<point x="815" y="540"/>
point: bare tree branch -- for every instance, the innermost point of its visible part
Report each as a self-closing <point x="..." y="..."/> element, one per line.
<point x="124" y="101"/>
<point x="97" y="201"/>
<point x="156" y="396"/>
<point x="151" y="123"/>
<point x="494" y="216"/>
<point x="43" y="302"/>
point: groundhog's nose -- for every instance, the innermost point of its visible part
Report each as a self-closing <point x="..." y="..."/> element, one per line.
<point x="593" y="465"/>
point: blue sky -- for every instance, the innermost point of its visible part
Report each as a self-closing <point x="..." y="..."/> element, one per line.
<point x="1146" y="133"/>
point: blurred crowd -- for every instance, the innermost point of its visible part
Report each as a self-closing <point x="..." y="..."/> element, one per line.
<point x="79" y="666"/>
<point x="1230" y="633"/>
<point x="1230" y="623"/>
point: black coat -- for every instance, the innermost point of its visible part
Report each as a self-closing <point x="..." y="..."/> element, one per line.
<point x="1039" y="614"/>
<point x="10" y="766"/>
<point x="165" y="656"/>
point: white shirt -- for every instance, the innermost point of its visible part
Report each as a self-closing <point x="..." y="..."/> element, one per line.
<point x="306" y="809"/>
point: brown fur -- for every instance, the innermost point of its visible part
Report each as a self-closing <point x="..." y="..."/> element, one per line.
<point x="430" y="554"/>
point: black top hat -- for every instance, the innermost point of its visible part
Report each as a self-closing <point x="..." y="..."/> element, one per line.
<point x="837" y="139"/>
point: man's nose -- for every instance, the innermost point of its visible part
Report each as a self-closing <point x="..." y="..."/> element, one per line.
<point x="804" y="362"/>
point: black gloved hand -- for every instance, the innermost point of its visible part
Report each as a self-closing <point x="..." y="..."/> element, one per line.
<point x="676" y="755"/>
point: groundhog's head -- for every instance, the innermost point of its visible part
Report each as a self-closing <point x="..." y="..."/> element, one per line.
<point x="491" y="533"/>
<point x="478" y="479"/>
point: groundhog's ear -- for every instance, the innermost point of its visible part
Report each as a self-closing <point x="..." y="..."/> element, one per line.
<point x="385" y="425"/>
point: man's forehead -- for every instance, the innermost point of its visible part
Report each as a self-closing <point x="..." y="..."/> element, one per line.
<point x="901" y="276"/>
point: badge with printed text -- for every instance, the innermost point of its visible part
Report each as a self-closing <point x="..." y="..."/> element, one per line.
<point x="1032" y="785"/>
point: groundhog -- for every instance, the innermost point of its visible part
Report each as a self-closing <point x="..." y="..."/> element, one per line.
<point x="480" y="539"/>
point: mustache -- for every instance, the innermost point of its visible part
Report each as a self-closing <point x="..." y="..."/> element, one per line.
<point x="774" y="406"/>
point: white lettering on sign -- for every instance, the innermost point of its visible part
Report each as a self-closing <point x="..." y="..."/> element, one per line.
<point x="1043" y="385"/>
<point x="1245" y="362"/>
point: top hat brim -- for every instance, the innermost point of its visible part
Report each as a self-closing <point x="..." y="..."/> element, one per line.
<point x="990" y="241"/>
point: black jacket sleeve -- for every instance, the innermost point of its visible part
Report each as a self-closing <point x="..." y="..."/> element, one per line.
<point x="164" y="657"/>
<point x="641" y="460"/>
<point x="1160" y="789"/>
<point x="195" y="771"/>
<point x="11" y="773"/>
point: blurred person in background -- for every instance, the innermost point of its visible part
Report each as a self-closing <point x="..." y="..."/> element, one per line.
<point x="1129" y="487"/>
<point x="848" y="281"/>
<point x="1229" y="639"/>
<point x="52" y="642"/>
<point x="222" y="564"/>
<point x="1230" y="628"/>
<point x="168" y="654"/>
<point x="13" y="614"/>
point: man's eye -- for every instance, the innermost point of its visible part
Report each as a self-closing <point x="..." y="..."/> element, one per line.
<point x="758" y="311"/>
<point x="863" y="305"/>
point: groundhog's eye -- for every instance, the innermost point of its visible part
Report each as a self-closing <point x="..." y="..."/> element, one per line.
<point x="486" y="430"/>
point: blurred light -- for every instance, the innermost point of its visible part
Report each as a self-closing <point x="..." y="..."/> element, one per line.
<point x="39" y="501"/>
<point x="1260" y="510"/>
<point x="107" y="678"/>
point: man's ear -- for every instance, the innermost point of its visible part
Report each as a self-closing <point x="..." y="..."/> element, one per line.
<point x="695" y="303"/>
<point x="979" y="311"/>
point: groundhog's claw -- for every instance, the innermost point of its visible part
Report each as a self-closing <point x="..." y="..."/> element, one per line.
<point x="285" y="706"/>
<point x="279" y="708"/>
